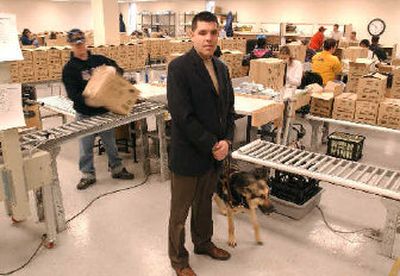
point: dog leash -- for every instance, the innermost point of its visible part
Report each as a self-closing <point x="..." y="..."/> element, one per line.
<point x="227" y="176"/>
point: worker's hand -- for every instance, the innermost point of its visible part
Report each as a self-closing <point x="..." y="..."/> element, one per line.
<point x="220" y="150"/>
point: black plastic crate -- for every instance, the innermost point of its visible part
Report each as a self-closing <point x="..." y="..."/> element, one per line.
<point x="345" y="145"/>
<point x="292" y="187"/>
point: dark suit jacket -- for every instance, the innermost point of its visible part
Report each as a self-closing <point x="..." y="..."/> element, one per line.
<point x="200" y="116"/>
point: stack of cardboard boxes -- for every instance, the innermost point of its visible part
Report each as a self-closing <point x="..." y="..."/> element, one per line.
<point x="345" y="107"/>
<point x="238" y="44"/>
<point x="54" y="63"/>
<point x="395" y="91"/>
<point x="268" y="72"/>
<point x="123" y="56"/>
<point x="41" y="70"/>
<point x="354" y="52"/>
<point x="322" y="98"/>
<point x="357" y="69"/>
<point x="233" y="59"/>
<point x="46" y="64"/>
<point x="371" y="91"/>
<point x="389" y="113"/>
<point x="180" y="45"/>
<point x="22" y="71"/>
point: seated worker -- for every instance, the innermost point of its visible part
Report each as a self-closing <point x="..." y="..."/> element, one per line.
<point x="377" y="50"/>
<point x="260" y="51"/>
<point x="317" y="40"/>
<point x="28" y="38"/>
<point x="325" y="63"/>
<point x="294" y="69"/>
<point x="365" y="44"/>
<point x="75" y="76"/>
<point x="353" y="37"/>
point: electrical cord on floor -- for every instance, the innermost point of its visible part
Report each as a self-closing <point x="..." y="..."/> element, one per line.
<point x="29" y="260"/>
<point x="337" y="232"/>
<point x="71" y="219"/>
<point x="104" y="195"/>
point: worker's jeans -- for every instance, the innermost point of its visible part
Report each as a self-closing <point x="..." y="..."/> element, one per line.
<point x="86" y="144"/>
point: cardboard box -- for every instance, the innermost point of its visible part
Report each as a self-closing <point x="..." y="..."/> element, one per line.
<point x="268" y="72"/>
<point x="366" y="112"/>
<point x="352" y="83"/>
<point x="107" y="89"/>
<point x="360" y="67"/>
<point x="233" y="59"/>
<point x="383" y="68"/>
<point x="372" y="88"/>
<point x="315" y="88"/>
<point x="298" y="50"/>
<point x="344" y="107"/>
<point x="396" y="62"/>
<point x="395" y="91"/>
<point x="389" y="113"/>
<point x="354" y="52"/>
<point x="336" y="88"/>
<point x="322" y="104"/>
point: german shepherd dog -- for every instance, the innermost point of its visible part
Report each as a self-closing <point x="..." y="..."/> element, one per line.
<point x="239" y="191"/>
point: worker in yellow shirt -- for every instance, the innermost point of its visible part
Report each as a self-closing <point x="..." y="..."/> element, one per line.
<point x="325" y="63"/>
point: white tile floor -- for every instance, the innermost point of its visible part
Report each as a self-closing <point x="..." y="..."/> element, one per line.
<point x="126" y="233"/>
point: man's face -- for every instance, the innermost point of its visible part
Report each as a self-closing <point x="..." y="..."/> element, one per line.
<point x="353" y="36"/>
<point x="205" y="38"/>
<point x="335" y="28"/>
<point x="78" y="49"/>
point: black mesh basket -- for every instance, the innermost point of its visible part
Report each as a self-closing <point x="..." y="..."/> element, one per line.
<point x="345" y="145"/>
<point x="293" y="188"/>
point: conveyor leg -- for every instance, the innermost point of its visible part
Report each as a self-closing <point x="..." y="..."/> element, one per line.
<point x="163" y="148"/>
<point x="49" y="215"/>
<point x="314" y="135"/>
<point x="391" y="232"/>
<point x="55" y="191"/>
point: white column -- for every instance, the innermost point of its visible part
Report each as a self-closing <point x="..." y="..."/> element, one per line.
<point x="105" y="22"/>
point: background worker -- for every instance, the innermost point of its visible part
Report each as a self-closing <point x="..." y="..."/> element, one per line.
<point x="325" y="63"/>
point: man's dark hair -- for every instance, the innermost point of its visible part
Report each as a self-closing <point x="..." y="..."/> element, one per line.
<point x="336" y="25"/>
<point x="25" y="32"/>
<point x="375" y="39"/>
<point x="364" y="42"/>
<point x="204" y="16"/>
<point x="261" y="42"/>
<point x="329" y="44"/>
<point x="354" y="33"/>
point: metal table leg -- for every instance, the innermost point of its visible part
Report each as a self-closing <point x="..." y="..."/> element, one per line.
<point x="162" y="147"/>
<point x="289" y="115"/>
<point x="144" y="146"/>
<point x="248" y="129"/>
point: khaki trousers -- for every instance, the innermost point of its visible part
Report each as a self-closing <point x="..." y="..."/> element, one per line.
<point x="186" y="192"/>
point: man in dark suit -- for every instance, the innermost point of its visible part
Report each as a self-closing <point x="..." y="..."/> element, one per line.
<point x="200" y="100"/>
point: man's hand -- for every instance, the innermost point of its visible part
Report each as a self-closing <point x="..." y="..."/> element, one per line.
<point x="220" y="150"/>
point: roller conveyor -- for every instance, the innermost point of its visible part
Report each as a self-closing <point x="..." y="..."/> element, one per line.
<point x="349" y="174"/>
<point x="46" y="139"/>
<point x="366" y="178"/>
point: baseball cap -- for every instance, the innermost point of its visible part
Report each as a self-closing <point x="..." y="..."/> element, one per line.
<point x="321" y="29"/>
<point x="76" y="36"/>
